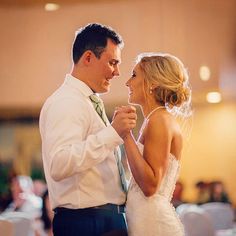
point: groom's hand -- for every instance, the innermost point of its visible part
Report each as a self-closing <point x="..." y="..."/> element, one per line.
<point x="124" y="120"/>
<point x="128" y="109"/>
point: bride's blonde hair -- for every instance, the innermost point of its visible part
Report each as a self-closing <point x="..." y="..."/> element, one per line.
<point x="169" y="79"/>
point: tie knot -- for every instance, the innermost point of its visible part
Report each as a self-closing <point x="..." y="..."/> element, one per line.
<point x="99" y="107"/>
<point x="95" y="99"/>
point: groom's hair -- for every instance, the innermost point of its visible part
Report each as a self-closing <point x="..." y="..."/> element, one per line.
<point x="94" y="37"/>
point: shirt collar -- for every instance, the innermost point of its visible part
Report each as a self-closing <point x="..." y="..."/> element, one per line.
<point x="78" y="84"/>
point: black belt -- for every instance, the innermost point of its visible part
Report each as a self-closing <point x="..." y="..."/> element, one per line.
<point x="110" y="207"/>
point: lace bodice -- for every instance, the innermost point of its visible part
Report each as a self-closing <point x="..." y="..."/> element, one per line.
<point x="168" y="182"/>
<point x="154" y="215"/>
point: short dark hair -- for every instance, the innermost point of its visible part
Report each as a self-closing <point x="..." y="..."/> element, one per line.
<point x="94" y="37"/>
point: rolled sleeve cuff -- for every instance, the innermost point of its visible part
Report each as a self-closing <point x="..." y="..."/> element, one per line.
<point x="110" y="137"/>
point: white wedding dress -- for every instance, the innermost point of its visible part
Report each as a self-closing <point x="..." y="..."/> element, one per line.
<point x="155" y="215"/>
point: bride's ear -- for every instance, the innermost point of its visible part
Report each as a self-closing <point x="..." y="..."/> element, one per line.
<point x="152" y="87"/>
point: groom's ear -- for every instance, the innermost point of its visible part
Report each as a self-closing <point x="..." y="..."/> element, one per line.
<point x="87" y="57"/>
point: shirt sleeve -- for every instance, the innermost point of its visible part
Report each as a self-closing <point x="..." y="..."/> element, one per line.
<point x="67" y="146"/>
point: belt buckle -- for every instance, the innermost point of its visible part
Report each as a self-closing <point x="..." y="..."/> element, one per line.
<point x="120" y="209"/>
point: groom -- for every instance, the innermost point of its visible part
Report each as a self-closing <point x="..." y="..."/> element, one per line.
<point x="79" y="145"/>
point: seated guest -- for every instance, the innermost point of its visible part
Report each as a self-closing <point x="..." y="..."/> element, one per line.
<point x="203" y="192"/>
<point x="23" y="198"/>
<point x="177" y="198"/>
<point x="39" y="187"/>
<point x="217" y="192"/>
<point x="43" y="226"/>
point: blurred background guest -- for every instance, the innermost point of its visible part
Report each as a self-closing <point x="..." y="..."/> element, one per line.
<point x="39" y="187"/>
<point x="43" y="226"/>
<point x="217" y="192"/>
<point x="23" y="198"/>
<point x="177" y="198"/>
<point x="202" y="192"/>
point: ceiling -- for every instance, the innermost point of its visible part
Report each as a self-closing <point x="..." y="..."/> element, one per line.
<point x="29" y="3"/>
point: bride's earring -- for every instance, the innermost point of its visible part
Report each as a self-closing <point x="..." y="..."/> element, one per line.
<point x="150" y="91"/>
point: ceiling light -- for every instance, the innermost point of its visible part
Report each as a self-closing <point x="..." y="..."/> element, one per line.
<point x="51" y="7"/>
<point x="204" y="73"/>
<point x="213" y="97"/>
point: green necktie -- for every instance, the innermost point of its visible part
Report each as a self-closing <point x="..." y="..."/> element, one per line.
<point x="99" y="107"/>
<point x="123" y="181"/>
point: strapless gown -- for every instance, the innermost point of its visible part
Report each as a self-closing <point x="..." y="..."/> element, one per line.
<point x="155" y="215"/>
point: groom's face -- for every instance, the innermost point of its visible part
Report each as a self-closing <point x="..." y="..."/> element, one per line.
<point x="105" y="68"/>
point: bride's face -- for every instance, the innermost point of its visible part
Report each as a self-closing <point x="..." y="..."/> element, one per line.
<point x="136" y="86"/>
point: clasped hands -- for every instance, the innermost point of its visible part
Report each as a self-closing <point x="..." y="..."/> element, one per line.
<point x="124" y="120"/>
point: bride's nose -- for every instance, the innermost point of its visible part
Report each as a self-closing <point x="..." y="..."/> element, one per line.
<point x="127" y="83"/>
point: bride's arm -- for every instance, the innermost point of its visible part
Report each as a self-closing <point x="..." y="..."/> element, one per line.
<point x="148" y="170"/>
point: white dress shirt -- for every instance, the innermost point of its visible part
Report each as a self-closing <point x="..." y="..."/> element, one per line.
<point x="78" y="150"/>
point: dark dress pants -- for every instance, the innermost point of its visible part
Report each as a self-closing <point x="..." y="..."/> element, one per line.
<point x="89" y="222"/>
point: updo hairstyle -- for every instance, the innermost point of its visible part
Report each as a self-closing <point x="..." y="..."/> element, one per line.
<point x="166" y="77"/>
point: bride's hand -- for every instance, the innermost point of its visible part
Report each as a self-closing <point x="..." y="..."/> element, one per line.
<point x="124" y="120"/>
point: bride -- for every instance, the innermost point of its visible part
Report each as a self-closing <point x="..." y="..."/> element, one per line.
<point x="159" y="84"/>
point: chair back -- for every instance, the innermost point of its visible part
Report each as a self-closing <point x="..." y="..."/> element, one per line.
<point x="21" y="223"/>
<point x="221" y="214"/>
<point x="196" y="222"/>
<point x="185" y="206"/>
<point x="6" y="227"/>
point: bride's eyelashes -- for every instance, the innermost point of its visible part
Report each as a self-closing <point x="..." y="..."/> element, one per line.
<point x="133" y="75"/>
